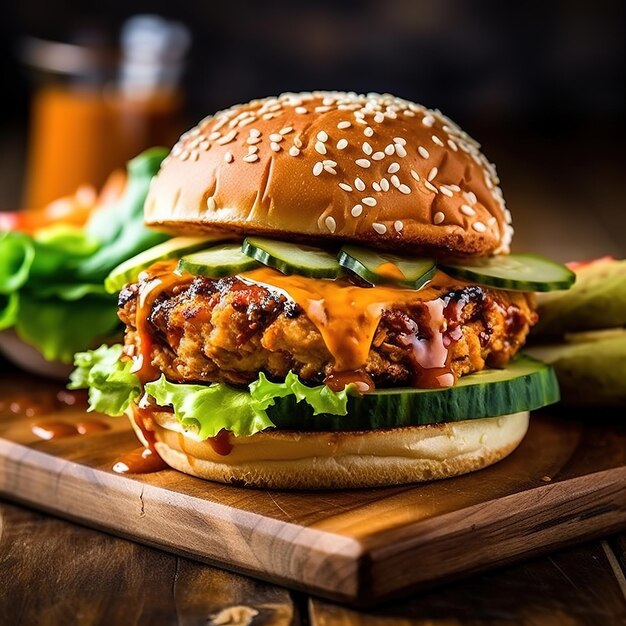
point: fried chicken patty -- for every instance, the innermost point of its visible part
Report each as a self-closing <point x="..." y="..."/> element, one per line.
<point x="227" y="330"/>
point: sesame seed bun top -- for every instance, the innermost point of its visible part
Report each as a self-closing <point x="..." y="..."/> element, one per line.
<point x="327" y="165"/>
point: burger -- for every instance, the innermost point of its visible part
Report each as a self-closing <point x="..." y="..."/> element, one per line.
<point x="338" y="306"/>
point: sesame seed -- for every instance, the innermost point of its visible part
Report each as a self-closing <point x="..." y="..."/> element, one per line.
<point x="275" y="146"/>
<point x="356" y="210"/>
<point x="405" y="189"/>
<point x="253" y="149"/>
<point x="276" y="137"/>
<point x="318" y="168"/>
<point x="393" y="168"/>
<point x="330" y="169"/>
<point x="215" y="135"/>
<point x="378" y="156"/>
<point x="400" y="151"/>
<point x="398" y="226"/>
<point x="430" y="186"/>
<point x="423" y="152"/>
<point x="376" y="186"/>
<point x="453" y="145"/>
<point x="395" y="181"/>
<point x="344" y="125"/>
<point x="322" y="109"/>
<point x="363" y="163"/>
<point x="331" y="224"/>
<point x="390" y="149"/>
<point x="297" y="142"/>
<point x="322" y="136"/>
<point x="286" y="130"/>
<point x="381" y="229"/>
<point x="359" y="184"/>
<point x="195" y="155"/>
<point x="446" y="191"/>
<point x="247" y="121"/>
<point x="360" y="120"/>
<point x="479" y="227"/>
<point x="467" y="210"/>
<point x="320" y="147"/>
<point x="184" y="155"/>
<point x="471" y="196"/>
<point x="252" y="140"/>
<point x="415" y="175"/>
<point x="293" y="151"/>
<point x="408" y="113"/>
<point x="251" y="158"/>
<point x="366" y="148"/>
<point x="345" y="186"/>
<point x="399" y="140"/>
<point x="369" y="201"/>
<point x="379" y="118"/>
<point x="342" y="143"/>
<point x="491" y="221"/>
<point x="384" y="184"/>
<point x="228" y="157"/>
<point x="301" y="110"/>
<point x="428" y="120"/>
<point x="438" y="217"/>
<point x="433" y="172"/>
<point x="255" y="132"/>
<point x="227" y="138"/>
<point x="368" y="132"/>
<point x="454" y="187"/>
<point x="437" y="140"/>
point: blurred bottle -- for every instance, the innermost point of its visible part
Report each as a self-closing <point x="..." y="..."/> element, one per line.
<point x="95" y="108"/>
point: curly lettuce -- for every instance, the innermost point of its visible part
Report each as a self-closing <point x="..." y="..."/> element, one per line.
<point x="205" y="409"/>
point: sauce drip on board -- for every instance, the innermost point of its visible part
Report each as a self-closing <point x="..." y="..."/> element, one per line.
<point x="42" y="402"/>
<point x="141" y="460"/>
<point x="56" y="429"/>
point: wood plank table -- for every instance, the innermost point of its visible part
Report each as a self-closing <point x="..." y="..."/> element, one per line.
<point x="54" y="572"/>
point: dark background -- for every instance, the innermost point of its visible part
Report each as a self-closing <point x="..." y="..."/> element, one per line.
<point x="539" y="84"/>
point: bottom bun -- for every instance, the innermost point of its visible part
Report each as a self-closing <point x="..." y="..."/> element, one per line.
<point x="332" y="460"/>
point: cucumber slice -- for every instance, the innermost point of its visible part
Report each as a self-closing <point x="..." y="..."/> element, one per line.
<point x="128" y="271"/>
<point x="379" y="268"/>
<point x="524" y="384"/>
<point x="293" y="258"/>
<point x="518" y="272"/>
<point x="217" y="262"/>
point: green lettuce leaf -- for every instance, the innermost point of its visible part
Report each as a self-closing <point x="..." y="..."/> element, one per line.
<point x="120" y="229"/>
<point x="59" y="328"/>
<point x="205" y="409"/>
<point x="208" y="409"/>
<point x="17" y="252"/>
<point x="322" y="399"/>
<point x="9" y="308"/>
<point x="72" y="240"/>
<point x="111" y="384"/>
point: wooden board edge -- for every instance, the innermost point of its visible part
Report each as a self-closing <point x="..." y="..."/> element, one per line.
<point x="599" y="507"/>
<point x="277" y="551"/>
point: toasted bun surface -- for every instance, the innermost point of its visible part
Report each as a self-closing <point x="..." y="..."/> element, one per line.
<point x="325" y="460"/>
<point x="372" y="169"/>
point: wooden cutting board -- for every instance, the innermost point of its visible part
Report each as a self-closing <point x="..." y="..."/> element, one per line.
<point x="566" y="482"/>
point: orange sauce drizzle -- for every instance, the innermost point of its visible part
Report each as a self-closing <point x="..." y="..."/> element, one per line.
<point x="390" y="270"/>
